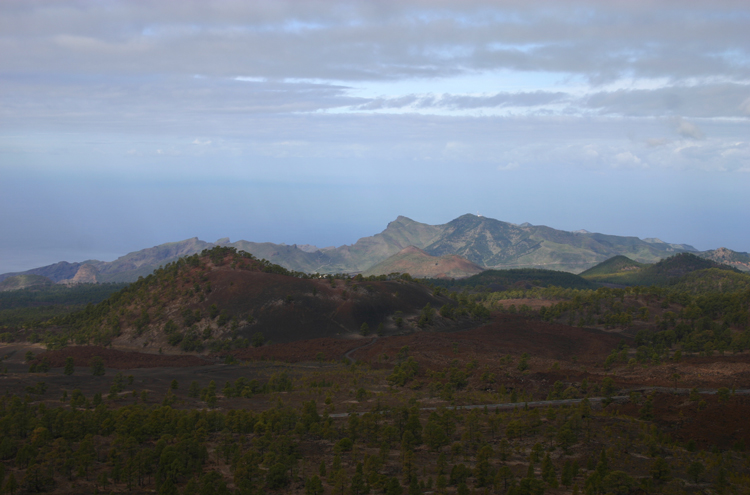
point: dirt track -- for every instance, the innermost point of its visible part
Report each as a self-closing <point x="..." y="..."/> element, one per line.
<point x="117" y="359"/>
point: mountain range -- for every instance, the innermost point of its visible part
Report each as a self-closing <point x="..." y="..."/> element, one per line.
<point x="485" y="242"/>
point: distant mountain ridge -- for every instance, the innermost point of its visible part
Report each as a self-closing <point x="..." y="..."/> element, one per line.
<point x="486" y="242"/>
<point x="124" y="269"/>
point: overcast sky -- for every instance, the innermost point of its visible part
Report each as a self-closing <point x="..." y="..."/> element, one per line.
<point x="126" y="124"/>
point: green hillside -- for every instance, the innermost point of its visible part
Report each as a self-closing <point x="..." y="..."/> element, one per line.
<point x="712" y="280"/>
<point x="623" y="271"/>
<point x="24" y="281"/>
<point x="616" y="265"/>
<point x="42" y="302"/>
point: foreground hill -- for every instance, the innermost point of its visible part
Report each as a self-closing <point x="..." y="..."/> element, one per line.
<point x="222" y="299"/>
<point x="418" y="263"/>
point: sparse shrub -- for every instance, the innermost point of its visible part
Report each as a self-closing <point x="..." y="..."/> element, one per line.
<point x="258" y="339"/>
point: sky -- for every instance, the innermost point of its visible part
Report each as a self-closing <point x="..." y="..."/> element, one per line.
<point x="127" y="124"/>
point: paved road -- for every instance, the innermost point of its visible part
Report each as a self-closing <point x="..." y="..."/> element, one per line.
<point x="513" y="405"/>
<point x="563" y="402"/>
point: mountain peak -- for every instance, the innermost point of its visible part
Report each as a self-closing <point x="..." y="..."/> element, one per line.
<point x="401" y="220"/>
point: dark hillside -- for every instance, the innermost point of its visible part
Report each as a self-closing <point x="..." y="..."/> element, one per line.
<point x="681" y="264"/>
<point x="224" y="299"/>
<point x="712" y="280"/>
<point x="665" y="272"/>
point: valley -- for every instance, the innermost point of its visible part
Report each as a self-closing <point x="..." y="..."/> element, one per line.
<point x="245" y="377"/>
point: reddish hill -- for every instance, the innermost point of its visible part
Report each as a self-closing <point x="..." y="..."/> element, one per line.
<point x="288" y="308"/>
<point x="218" y="301"/>
<point x="418" y="263"/>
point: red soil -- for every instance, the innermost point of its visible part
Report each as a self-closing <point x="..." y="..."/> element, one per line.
<point x="302" y="350"/>
<point x="505" y="334"/>
<point x="118" y="359"/>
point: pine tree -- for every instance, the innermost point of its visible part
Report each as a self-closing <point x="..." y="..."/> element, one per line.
<point x="548" y="471"/>
<point x="358" y="486"/>
<point x="69" y="366"/>
<point x="97" y="366"/>
<point x="194" y="390"/>
<point x="314" y="486"/>
<point x="11" y="485"/>
<point x="567" y="473"/>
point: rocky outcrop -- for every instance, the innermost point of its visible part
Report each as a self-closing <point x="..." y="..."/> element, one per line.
<point x="86" y="274"/>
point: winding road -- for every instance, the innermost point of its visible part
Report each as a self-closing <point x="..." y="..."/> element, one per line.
<point x="349" y="353"/>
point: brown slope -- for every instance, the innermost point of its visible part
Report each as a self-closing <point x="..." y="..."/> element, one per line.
<point x="254" y="297"/>
<point x="505" y="334"/>
<point x="420" y="264"/>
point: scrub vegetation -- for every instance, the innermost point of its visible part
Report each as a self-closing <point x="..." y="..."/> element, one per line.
<point x="452" y="389"/>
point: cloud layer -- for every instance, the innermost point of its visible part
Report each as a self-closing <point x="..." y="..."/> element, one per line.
<point x="350" y="93"/>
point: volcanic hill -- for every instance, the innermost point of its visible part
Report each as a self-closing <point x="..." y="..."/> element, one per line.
<point x="223" y="298"/>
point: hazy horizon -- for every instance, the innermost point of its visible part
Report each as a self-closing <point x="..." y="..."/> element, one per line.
<point x="131" y="124"/>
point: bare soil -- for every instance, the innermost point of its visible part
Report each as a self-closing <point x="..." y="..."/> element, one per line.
<point x="116" y="359"/>
<point x="504" y="334"/>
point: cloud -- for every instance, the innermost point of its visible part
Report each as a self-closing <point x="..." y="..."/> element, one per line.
<point x="351" y="40"/>
<point x="687" y="129"/>
<point x="704" y="100"/>
<point x="627" y="159"/>
<point x="464" y="102"/>
<point x="388" y="103"/>
<point x="521" y="99"/>
<point x="508" y="166"/>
